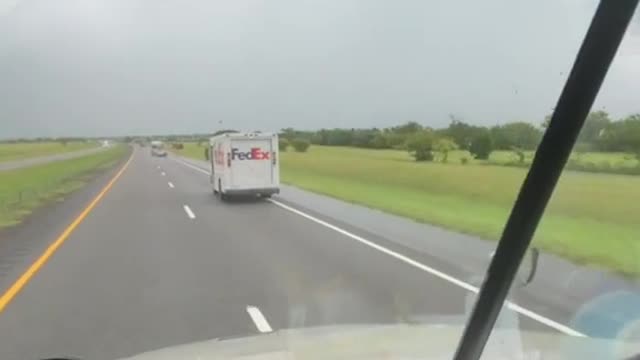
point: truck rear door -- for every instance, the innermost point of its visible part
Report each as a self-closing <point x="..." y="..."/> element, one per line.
<point x="251" y="163"/>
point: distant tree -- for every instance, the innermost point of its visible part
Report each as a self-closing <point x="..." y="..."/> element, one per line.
<point x="593" y="128"/>
<point x="410" y="127"/>
<point x="320" y="137"/>
<point x="420" y="145"/>
<point x="363" y="137"/>
<point x="288" y="133"/>
<point x="283" y="144"/>
<point x="300" y="145"/>
<point x="394" y="140"/>
<point x="481" y="146"/>
<point x="594" y="125"/>
<point x="443" y="146"/>
<point x="462" y="133"/>
<point x="340" y="137"/>
<point x="521" y="135"/>
<point x="623" y="135"/>
<point x="291" y="133"/>
<point x="379" y="141"/>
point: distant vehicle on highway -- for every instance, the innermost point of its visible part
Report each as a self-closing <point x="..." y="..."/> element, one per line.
<point x="244" y="164"/>
<point x="157" y="149"/>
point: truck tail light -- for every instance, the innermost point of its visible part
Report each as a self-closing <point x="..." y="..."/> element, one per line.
<point x="229" y="159"/>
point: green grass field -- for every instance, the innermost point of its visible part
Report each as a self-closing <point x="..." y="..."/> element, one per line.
<point x="500" y="157"/>
<point x="19" y="151"/>
<point x="191" y="150"/>
<point x="23" y="190"/>
<point x="592" y="218"/>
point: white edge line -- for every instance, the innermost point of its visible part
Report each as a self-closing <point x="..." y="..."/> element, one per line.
<point x="511" y="305"/>
<point x="170" y="184"/>
<point x="190" y="213"/>
<point x="544" y="320"/>
<point x="197" y="168"/>
<point x="261" y="322"/>
<point x="530" y="314"/>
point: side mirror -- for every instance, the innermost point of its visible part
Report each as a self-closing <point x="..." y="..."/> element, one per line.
<point x="528" y="267"/>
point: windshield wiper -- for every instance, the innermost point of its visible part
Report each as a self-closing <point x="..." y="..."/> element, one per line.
<point x="598" y="49"/>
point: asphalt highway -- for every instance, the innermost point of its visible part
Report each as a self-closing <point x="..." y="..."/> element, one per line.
<point x="159" y="261"/>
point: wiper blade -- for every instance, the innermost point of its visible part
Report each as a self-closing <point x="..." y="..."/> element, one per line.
<point x="598" y="49"/>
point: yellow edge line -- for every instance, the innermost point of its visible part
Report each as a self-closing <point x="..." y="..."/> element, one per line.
<point x="33" y="269"/>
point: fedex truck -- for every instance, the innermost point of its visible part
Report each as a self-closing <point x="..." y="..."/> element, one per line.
<point x="244" y="164"/>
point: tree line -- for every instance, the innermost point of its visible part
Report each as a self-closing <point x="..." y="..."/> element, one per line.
<point x="600" y="133"/>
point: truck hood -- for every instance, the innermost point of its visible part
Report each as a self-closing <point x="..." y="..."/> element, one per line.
<point x="395" y="342"/>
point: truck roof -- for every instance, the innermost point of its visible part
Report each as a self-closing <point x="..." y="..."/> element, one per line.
<point x="256" y="135"/>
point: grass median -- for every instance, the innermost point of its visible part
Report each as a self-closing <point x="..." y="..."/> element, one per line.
<point x="591" y="219"/>
<point x="192" y="150"/>
<point x="18" y="151"/>
<point x="24" y="190"/>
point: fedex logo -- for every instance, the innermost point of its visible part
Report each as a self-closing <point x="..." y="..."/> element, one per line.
<point x="253" y="154"/>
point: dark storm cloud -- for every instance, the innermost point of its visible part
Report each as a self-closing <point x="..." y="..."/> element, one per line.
<point x="90" y="67"/>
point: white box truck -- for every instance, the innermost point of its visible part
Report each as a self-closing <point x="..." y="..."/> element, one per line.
<point x="244" y="164"/>
<point x="157" y="149"/>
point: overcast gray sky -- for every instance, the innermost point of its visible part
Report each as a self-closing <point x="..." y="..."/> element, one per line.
<point x="114" y="67"/>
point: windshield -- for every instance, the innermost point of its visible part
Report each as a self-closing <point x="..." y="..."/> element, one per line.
<point x="182" y="171"/>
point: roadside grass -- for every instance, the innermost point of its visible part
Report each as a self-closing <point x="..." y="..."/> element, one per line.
<point x="192" y="150"/>
<point x="605" y="162"/>
<point x="17" y="151"/>
<point x="592" y="218"/>
<point x="24" y="190"/>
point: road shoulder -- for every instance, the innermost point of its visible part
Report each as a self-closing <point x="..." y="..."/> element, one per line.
<point x="21" y="244"/>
